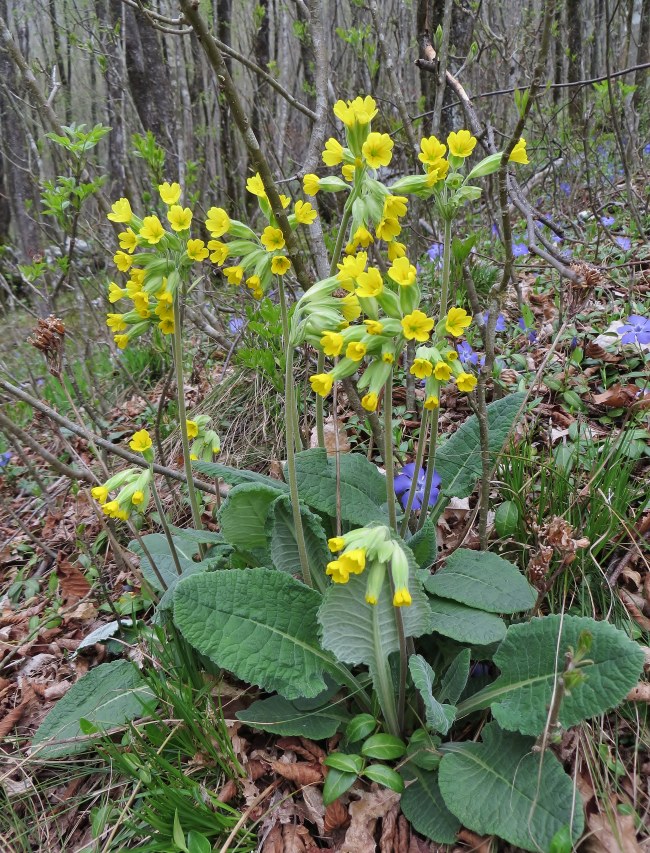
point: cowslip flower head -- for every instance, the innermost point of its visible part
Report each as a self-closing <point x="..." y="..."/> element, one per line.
<point x="461" y="144"/>
<point x="304" y="212"/>
<point x="272" y="239"/>
<point x="122" y="261"/>
<point x="395" y="206"/>
<point x="234" y="275"/>
<point x="362" y="237"/>
<point x="457" y="321"/>
<point x="115" y="292"/>
<point x="192" y="428"/>
<point x="332" y="343"/>
<point x="442" y="371"/>
<point x="180" y="218"/>
<point x="219" y="251"/>
<point x="395" y="250"/>
<point x="355" y="350"/>
<point x="310" y="184"/>
<point x="350" y="269"/>
<point x="370" y="283"/>
<point x="466" y="382"/>
<point x="350" y="307"/>
<point x="416" y="326"/>
<point x="518" y="154"/>
<point x="333" y="153"/>
<point x="255" y="185"/>
<point x="100" y="493"/>
<point x="140" y="441"/>
<point x="280" y="264"/>
<point x="437" y="172"/>
<point x="128" y="240"/>
<point x="115" y="322"/>
<point x="374" y="327"/>
<point x="403" y="272"/>
<point x="152" y="230"/>
<point x="336" y="543"/>
<point x="431" y="150"/>
<point x="388" y="228"/>
<point x="370" y="401"/>
<point x="431" y="403"/>
<point x="169" y="193"/>
<point x="218" y="222"/>
<point x="120" y="211"/>
<point x="421" y="368"/>
<point x="321" y="383"/>
<point x="196" y="250"/>
<point x="377" y="150"/>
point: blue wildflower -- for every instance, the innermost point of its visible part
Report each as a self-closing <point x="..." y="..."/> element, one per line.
<point x="531" y="333"/>
<point x="607" y="221"/>
<point x="636" y="330"/>
<point x="519" y="249"/>
<point x="565" y="187"/>
<point x="495" y="231"/>
<point x="624" y="242"/>
<point x="236" y="325"/>
<point x="483" y="317"/>
<point x="403" y="486"/>
<point x="467" y="355"/>
<point x="646" y="149"/>
<point x="4" y="459"/>
<point x="435" y="253"/>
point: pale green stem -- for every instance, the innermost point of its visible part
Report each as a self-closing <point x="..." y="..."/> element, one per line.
<point x="433" y="440"/>
<point x="383" y="682"/>
<point x="290" y="404"/>
<point x="165" y="526"/>
<point x="182" y="415"/>
<point x="320" y="421"/>
<point x="389" y="464"/>
<point x="418" y="464"/>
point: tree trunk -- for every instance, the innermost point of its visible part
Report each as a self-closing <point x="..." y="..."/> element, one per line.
<point x="109" y="13"/>
<point x="574" y="27"/>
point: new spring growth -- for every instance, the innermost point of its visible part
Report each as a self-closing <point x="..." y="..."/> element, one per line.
<point x="206" y="443"/>
<point x="134" y="493"/>
<point x="371" y="548"/>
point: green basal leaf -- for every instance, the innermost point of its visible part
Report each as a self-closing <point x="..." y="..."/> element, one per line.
<point x="260" y="625"/>
<point x="425" y="809"/>
<point x="439" y="717"/>
<point x="107" y="696"/>
<point x="278" y="716"/>
<point x="455" y="678"/>
<point x="501" y="787"/>
<point x="482" y="580"/>
<point x="458" y="460"/>
<point x="284" y="549"/>
<point x="530" y="659"/>
<point x="235" y="476"/>
<point x="244" y="513"/>
<point x="424" y="545"/>
<point x="465" y="624"/>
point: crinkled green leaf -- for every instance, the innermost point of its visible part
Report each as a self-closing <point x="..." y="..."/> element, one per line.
<point x="278" y="716"/>
<point x="458" y="460"/>
<point x="455" y="678"/>
<point x="284" y="549"/>
<point x="107" y="696"/>
<point x="424" y="545"/>
<point x="530" y="658"/>
<point x="244" y="513"/>
<point x="465" y="624"/>
<point x="259" y="624"/>
<point x="425" y="810"/>
<point x="482" y="580"/>
<point x="235" y="476"/>
<point x="498" y="787"/>
<point x="439" y="717"/>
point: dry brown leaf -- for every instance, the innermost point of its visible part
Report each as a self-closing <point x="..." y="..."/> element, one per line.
<point x="71" y="581"/>
<point x="633" y="610"/>
<point x="228" y="791"/>
<point x="299" y="772"/>
<point x="84" y="612"/>
<point x="610" y="833"/>
<point x="389" y="843"/>
<point x="616" y="397"/>
<point x="477" y="843"/>
<point x="302" y="746"/>
<point x="330" y="437"/>
<point x="364" y="814"/>
<point x="12" y="718"/>
<point x="640" y="693"/>
<point x="314" y="808"/>
<point x="56" y="691"/>
<point x="336" y="816"/>
<point x="274" y="842"/>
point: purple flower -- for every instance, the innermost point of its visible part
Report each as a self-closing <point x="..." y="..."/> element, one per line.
<point x="555" y="238"/>
<point x="624" y="242"/>
<point x="495" y="231"/>
<point x="466" y="355"/>
<point x="435" y="252"/>
<point x="532" y="334"/>
<point x="4" y="459"/>
<point x="646" y="149"/>
<point x="483" y="317"/>
<point x="236" y="325"/>
<point x="565" y="187"/>
<point x="519" y="249"/>
<point x="636" y="330"/>
<point x="403" y="486"/>
<point x="607" y="221"/>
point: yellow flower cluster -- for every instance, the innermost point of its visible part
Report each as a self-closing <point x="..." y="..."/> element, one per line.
<point x="133" y="485"/>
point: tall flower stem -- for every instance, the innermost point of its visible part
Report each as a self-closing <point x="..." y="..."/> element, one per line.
<point x="389" y="464"/>
<point x="433" y="439"/>
<point x="418" y="464"/>
<point x="290" y="404"/>
<point x="165" y="526"/>
<point x="182" y="414"/>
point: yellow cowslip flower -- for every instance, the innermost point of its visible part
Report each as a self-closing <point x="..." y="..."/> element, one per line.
<point x="373" y="327"/>
<point x="165" y="296"/>
<point x="164" y="311"/>
<point x="353" y="562"/>
<point x="421" y="368"/>
<point x="280" y="264"/>
<point x="137" y="497"/>
<point x="370" y="401"/>
<point x="115" y="322"/>
<point x="122" y="261"/>
<point x="258" y="293"/>
<point x="310" y="184"/>
<point x="388" y="229"/>
<point x="337" y="572"/>
<point x="285" y="201"/>
<point x="321" y="383"/>
<point x="403" y="272"/>
<point x="137" y="277"/>
<point x="100" y="493"/>
<point x="350" y="307"/>
<point x="332" y="343"/>
<point x="461" y="144"/>
<point x="402" y="597"/>
<point x="336" y="543"/>
<point x="395" y="206"/>
<point x="356" y="350"/>
<point x="192" y="428"/>
<point x="253" y="282"/>
<point x="169" y="193"/>
<point x="350" y="269"/>
<point x="377" y="150"/>
<point x="364" y="109"/>
<point x="347" y="170"/>
<point x="362" y="237"/>
<point x="217" y="223"/>
<point x="452" y="355"/>
<point x="115" y="292"/>
<point x="333" y="153"/>
<point x="180" y="218"/>
<point x="431" y="150"/>
<point x="234" y="275"/>
<point x="442" y="371"/>
<point x="140" y="441"/>
<point x="111" y="509"/>
<point x="416" y="326"/>
<point x="272" y="239"/>
<point x="437" y="172"/>
<point x="388" y="357"/>
<point x="345" y="113"/>
<point x="121" y="341"/>
<point x="166" y="325"/>
<point x="152" y="230"/>
<point x="255" y="185"/>
<point x="395" y="250"/>
<point x="370" y="283"/>
<point x="305" y="213"/>
<point x="431" y="403"/>
<point x="466" y="382"/>
<point x="196" y="250"/>
<point x="128" y="240"/>
<point x="518" y="154"/>
<point x="457" y="321"/>
<point x="141" y="302"/>
<point x="220" y="251"/>
<point x="121" y="211"/>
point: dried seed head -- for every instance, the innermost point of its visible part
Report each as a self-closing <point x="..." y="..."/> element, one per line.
<point x="48" y="337"/>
